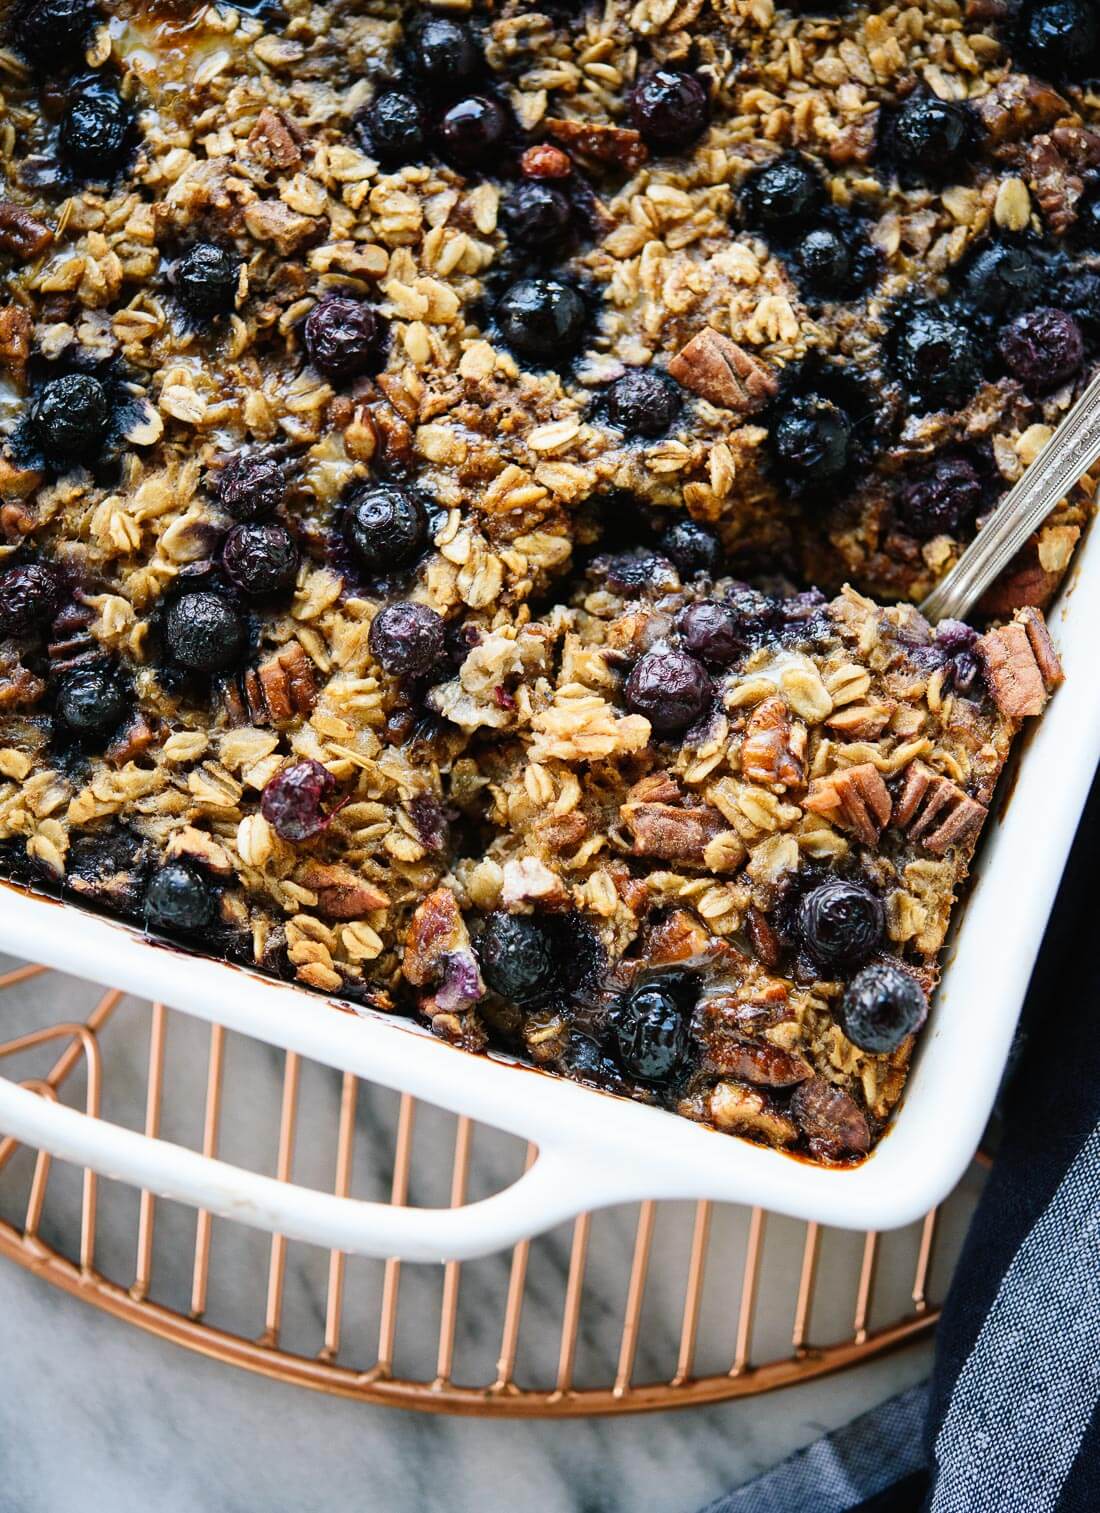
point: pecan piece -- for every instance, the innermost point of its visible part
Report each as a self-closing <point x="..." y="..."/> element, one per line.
<point x="21" y="235"/>
<point x="855" y="798"/>
<point x="614" y="146"/>
<point x="280" y="688"/>
<point x="1021" y="665"/>
<point x="825" y="1113"/>
<point x="16" y="330"/>
<point x="19" y="686"/>
<point x="197" y="846"/>
<point x="136" y="738"/>
<point x="720" y="371"/>
<point x="1017" y="107"/>
<point x="677" y="939"/>
<point x="762" y="1065"/>
<point x="341" y="892"/>
<point x="773" y="749"/>
<point x="935" y="811"/>
<point x="436" y="930"/>
<point x="544" y="161"/>
<point x="664" y="825"/>
<point x="734" y="1106"/>
<point x="1056" y="183"/>
<point x="272" y="141"/>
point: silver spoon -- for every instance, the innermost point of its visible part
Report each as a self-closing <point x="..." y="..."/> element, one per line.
<point x="1069" y="454"/>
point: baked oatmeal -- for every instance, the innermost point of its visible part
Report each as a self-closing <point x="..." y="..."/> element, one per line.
<point x="467" y="475"/>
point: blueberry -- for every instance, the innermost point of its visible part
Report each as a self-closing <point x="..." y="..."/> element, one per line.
<point x="393" y="128"/>
<point x="711" y="631"/>
<point x="542" y="318"/>
<point x="652" y="1033"/>
<point x="69" y="417"/>
<point x="444" y="52"/>
<point x="260" y="558"/>
<point x="91" y="700"/>
<point x="177" y="898"/>
<point x="1042" y="349"/>
<point x="940" y="500"/>
<point x="1061" y="38"/>
<point x="250" y="486"/>
<point x="811" y="439"/>
<point x="783" y="196"/>
<point x="691" y="548"/>
<point x="291" y="801"/>
<point x="1077" y="291"/>
<point x="643" y="403"/>
<point x="670" y="688"/>
<point x="938" y="358"/>
<point x="203" y="632"/>
<point x="205" y="280"/>
<point x="52" y="32"/>
<point x="342" y="337"/>
<point x="472" y="132"/>
<point x="1003" y="277"/>
<point x="386" y="526"/>
<point x="538" y="217"/>
<point x="670" y="109"/>
<point x="928" y="136"/>
<point x="408" y="639"/>
<point x="841" y="924"/>
<point x="825" y="261"/>
<point x="882" y="1005"/>
<point x="29" y="599"/>
<point x="516" y="956"/>
<point x="95" y="132"/>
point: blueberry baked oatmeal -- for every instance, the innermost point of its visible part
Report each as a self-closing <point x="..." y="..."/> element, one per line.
<point x="467" y="475"/>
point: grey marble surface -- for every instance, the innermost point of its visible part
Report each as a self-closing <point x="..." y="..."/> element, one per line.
<point x="96" y="1414"/>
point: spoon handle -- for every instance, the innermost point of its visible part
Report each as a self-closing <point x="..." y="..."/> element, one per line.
<point x="1069" y="453"/>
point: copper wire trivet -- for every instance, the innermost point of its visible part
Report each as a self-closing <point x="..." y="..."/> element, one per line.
<point x="728" y="1269"/>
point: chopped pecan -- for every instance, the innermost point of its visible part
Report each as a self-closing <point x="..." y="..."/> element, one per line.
<point x="734" y="1106"/>
<point x="273" y="221"/>
<point x="765" y="942"/>
<point x="1056" y="169"/>
<point x="200" y="847"/>
<point x="827" y="1114"/>
<point x="272" y="141"/>
<point x="720" y="371"/>
<point x="21" y="235"/>
<point x="341" y="892"/>
<point x="664" y="825"/>
<point x="989" y="10"/>
<point x="527" y="880"/>
<point x="678" y="938"/>
<point x="436" y="930"/>
<point x="563" y="832"/>
<point x="1017" y="107"/>
<point x="19" y="686"/>
<point x="612" y="146"/>
<point x="136" y="738"/>
<point x="1021" y="665"/>
<point x="934" y="811"/>
<point x="855" y="143"/>
<point x="16" y="330"/>
<point x="773" y="749"/>
<point x="283" y="686"/>
<point x="855" y="798"/>
<point x="762" y="1064"/>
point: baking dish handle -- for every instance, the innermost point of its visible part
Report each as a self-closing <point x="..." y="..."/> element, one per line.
<point x="552" y="1190"/>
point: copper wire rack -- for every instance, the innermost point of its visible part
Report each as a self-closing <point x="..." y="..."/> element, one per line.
<point x="652" y="1306"/>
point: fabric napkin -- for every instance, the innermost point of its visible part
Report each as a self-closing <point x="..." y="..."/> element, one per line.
<point x="1010" y="1421"/>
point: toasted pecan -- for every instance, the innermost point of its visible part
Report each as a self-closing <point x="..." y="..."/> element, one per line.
<point x="855" y="798"/>
<point x="935" y="812"/>
<point x="723" y="373"/>
<point x="1021" y="665"/>
<point x="773" y="750"/>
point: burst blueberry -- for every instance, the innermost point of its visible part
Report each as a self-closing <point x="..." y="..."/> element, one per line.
<point x="1061" y="38"/>
<point x="443" y="52"/>
<point x="408" y="639"/>
<point x="29" y="598"/>
<point x="91" y="700"/>
<point x="342" y="337"/>
<point x="928" y="136"/>
<point x="691" y="548"/>
<point x="881" y="1007"/>
<point x="1003" y="277"/>
<point x="1042" y="349"/>
<point x="251" y="485"/>
<point x="670" y="109"/>
<point x="392" y="128"/>
<point x="473" y="131"/>
<point x="52" y="32"/>
<point x="670" y="688"/>
<point x="386" y="526"/>
<point x="938" y="359"/>
<point x="941" y="499"/>
<point x="260" y="558"/>
<point x="516" y="956"/>
<point x="652" y="1033"/>
<point x="825" y="262"/>
<point x="178" y="898"/>
<point x="69" y="418"/>
<point x="711" y="631"/>
<point x="841" y="924"/>
<point x="203" y="632"/>
<point x="538" y="217"/>
<point x="293" y="800"/>
<point x="783" y="196"/>
<point x="542" y="318"/>
<point x="205" y="280"/>
<point x="643" y="403"/>
<point x="811" y="439"/>
<point x="95" y="131"/>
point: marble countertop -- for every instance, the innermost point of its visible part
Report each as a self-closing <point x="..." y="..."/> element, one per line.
<point x="98" y="1414"/>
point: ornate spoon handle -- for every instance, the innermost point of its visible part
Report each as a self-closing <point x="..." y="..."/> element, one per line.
<point x="1069" y="453"/>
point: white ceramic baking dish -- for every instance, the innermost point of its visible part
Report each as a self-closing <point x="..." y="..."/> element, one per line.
<point x="594" y="1149"/>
